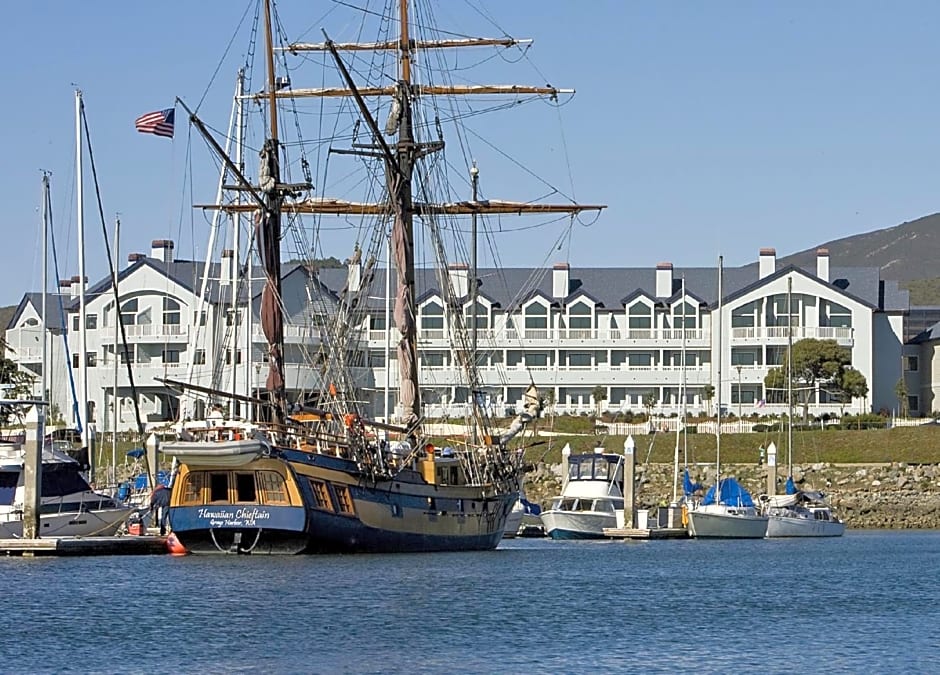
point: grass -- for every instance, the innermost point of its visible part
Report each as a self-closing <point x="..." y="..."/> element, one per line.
<point x="915" y="445"/>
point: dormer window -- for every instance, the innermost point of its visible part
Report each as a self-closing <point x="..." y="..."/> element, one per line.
<point x="641" y="315"/>
<point x="432" y="316"/>
<point x="580" y="316"/>
<point x="536" y="316"/>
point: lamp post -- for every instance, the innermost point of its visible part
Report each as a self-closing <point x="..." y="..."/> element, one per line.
<point x="739" y="390"/>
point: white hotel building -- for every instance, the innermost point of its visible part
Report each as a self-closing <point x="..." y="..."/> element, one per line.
<point x="570" y="331"/>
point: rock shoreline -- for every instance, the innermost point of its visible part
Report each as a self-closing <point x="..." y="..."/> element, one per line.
<point x="866" y="496"/>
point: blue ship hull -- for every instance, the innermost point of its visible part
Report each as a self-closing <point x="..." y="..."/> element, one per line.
<point x="352" y="515"/>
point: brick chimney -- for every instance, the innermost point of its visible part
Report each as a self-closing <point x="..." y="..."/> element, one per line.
<point x="822" y="264"/>
<point x="664" y="280"/>
<point x="767" y="262"/>
<point x="162" y="250"/>
<point x="560" y="280"/>
<point x="134" y="257"/>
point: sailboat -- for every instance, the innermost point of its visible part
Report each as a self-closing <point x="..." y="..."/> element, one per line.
<point x="728" y="510"/>
<point x="798" y="513"/>
<point x="314" y="475"/>
<point x="68" y="505"/>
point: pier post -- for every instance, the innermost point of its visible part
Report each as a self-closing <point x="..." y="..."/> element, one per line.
<point x="629" y="483"/>
<point x="771" y="469"/>
<point x="153" y="445"/>
<point x="32" y="476"/>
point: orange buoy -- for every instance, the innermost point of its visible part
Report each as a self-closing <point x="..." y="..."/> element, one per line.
<point x="174" y="546"/>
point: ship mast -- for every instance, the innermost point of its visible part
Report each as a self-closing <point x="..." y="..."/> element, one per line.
<point x="269" y="238"/>
<point x="403" y="250"/>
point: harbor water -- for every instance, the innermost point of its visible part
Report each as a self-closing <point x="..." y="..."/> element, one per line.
<point x="868" y="602"/>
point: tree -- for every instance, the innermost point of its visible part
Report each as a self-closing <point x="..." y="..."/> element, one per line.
<point x="900" y="390"/>
<point x="599" y="394"/>
<point x="814" y="363"/>
<point x="708" y="393"/>
<point x="649" y="402"/>
<point x="549" y="400"/>
<point x="851" y="384"/>
<point x="14" y="382"/>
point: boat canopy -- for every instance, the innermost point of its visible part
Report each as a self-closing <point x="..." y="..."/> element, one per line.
<point x="732" y="493"/>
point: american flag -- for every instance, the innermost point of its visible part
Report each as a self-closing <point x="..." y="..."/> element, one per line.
<point x="159" y="123"/>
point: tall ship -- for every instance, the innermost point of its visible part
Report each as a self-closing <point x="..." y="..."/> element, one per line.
<point x="318" y="472"/>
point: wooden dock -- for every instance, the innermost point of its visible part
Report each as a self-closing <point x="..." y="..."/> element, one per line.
<point x="648" y="533"/>
<point x="84" y="546"/>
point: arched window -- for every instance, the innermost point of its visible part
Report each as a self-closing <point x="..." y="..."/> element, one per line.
<point x="432" y="316"/>
<point x="834" y="315"/>
<point x="171" y="312"/>
<point x="684" y="316"/>
<point x="641" y="315"/>
<point x="579" y="316"/>
<point x="129" y="312"/>
<point x="483" y="320"/>
<point x="536" y="316"/>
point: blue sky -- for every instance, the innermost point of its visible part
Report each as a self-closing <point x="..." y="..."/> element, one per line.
<point x="707" y="128"/>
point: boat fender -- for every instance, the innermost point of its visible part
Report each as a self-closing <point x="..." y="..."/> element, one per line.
<point x="685" y="516"/>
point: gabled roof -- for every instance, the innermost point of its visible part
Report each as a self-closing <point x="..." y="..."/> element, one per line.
<point x="582" y="293"/>
<point x="55" y="318"/>
<point x="785" y="271"/>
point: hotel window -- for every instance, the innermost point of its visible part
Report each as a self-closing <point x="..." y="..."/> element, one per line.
<point x="75" y="363"/>
<point x="483" y="320"/>
<point x="835" y="315"/>
<point x="171" y="312"/>
<point x="433" y="359"/>
<point x="913" y="404"/>
<point x="912" y="364"/>
<point x="744" y="316"/>
<point x="640" y="360"/>
<point x="579" y="360"/>
<point x="536" y="317"/>
<point x="641" y="315"/>
<point x="579" y="316"/>
<point x="171" y="355"/>
<point x="377" y="322"/>
<point x="199" y="357"/>
<point x="91" y="359"/>
<point x="91" y="321"/>
<point x="432" y="316"/>
<point x="228" y="357"/>
<point x="75" y="323"/>
<point x="536" y="360"/>
<point x="232" y="317"/>
<point x="683" y="316"/>
<point x="129" y="312"/>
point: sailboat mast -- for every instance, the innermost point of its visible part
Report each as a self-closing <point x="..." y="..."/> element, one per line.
<point x="269" y="237"/>
<point x="236" y="238"/>
<point x="82" y="335"/>
<point x="474" y="194"/>
<point x="675" y="459"/>
<point x="399" y="179"/>
<point x="44" y="381"/>
<point x="789" y="376"/>
<point x="721" y="352"/>
<point x="116" y="412"/>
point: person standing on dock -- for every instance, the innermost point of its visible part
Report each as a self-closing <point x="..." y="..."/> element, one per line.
<point x="160" y="506"/>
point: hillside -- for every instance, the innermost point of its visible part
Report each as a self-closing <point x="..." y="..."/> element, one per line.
<point x="6" y="313"/>
<point x="906" y="252"/>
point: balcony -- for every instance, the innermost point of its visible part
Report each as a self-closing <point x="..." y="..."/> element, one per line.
<point x="157" y="332"/>
<point x="780" y="334"/>
<point x="601" y="337"/>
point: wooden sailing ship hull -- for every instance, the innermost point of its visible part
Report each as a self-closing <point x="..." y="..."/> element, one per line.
<point x="328" y="504"/>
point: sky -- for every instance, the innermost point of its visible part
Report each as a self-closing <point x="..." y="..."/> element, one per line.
<point x="707" y="128"/>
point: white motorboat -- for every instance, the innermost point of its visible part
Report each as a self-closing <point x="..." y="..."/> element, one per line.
<point x="591" y="496"/>
<point x="69" y="507"/>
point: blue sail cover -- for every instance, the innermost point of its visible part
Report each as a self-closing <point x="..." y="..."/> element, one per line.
<point x="732" y="494"/>
<point x="688" y="486"/>
<point x="530" y="509"/>
<point x="791" y="488"/>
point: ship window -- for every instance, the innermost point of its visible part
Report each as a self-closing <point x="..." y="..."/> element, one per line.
<point x="192" y="491"/>
<point x="273" y="486"/>
<point x="245" y="487"/>
<point x="321" y="495"/>
<point x="600" y="468"/>
<point x="343" y="499"/>
<point x="454" y="476"/>
<point x="218" y="487"/>
<point x="8" y="480"/>
<point x="61" y="482"/>
<point x="604" y="505"/>
<point x="573" y="470"/>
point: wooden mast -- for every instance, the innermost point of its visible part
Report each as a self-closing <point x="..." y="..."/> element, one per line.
<point x="269" y="236"/>
<point x="399" y="182"/>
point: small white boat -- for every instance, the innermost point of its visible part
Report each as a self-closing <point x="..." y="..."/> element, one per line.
<point x="590" y="498"/>
<point x="69" y="507"/>
<point x="803" y="514"/>
<point x="524" y="514"/>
